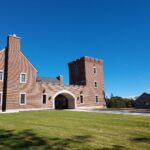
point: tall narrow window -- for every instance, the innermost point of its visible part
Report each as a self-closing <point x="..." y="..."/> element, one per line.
<point x="81" y="99"/>
<point x="1" y="75"/>
<point x="22" y="98"/>
<point x="97" y="99"/>
<point x="44" y="98"/>
<point x="94" y="69"/>
<point x="95" y="84"/>
<point x="23" y="78"/>
<point x="0" y="98"/>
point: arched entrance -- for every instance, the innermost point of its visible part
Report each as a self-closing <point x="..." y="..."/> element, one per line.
<point x="64" y="100"/>
<point x="61" y="102"/>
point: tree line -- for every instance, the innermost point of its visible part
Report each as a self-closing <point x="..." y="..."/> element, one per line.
<point x="119" y="102"/>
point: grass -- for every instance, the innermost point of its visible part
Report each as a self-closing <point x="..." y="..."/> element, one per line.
<point x="65" y="130"/>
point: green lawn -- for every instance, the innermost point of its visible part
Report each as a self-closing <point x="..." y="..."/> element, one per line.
<point x="65" y="130"/>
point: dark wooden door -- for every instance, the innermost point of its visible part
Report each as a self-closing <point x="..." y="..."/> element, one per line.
<point x="61" y="102"/>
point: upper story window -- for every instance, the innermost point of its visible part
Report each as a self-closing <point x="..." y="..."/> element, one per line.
<point x="95" y="84"/>
<point x="23" y="78"/>
<point x="22" y="98"/>
<point x="94" y="69"/>
<point x="1" y="75"/>
<point x="81" y="99"/>
<point x="0" y="98"/>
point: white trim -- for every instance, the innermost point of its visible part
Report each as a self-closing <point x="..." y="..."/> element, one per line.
<point x="46" y="98"/>
<point x="20" y="98"/>
<point x="10" y="111"/>
<point x="80" y="98"/>
<point x="2" y="50"/>
<point x="63" y="92"/>
<point x="1" y="98"/>
<point x="28" y="60"/>
<point x="25" y="77"/>
<point x="34" y="109"/>
<point x="86" y="108"/>
<point x="14" y="35"/>
<point x="2" y="75"/>
<point x="24" y="109"/>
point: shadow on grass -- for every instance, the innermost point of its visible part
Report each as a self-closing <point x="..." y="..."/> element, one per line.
<point x="27" y="139"/>
<point x="114" y="147"/>
<point x="141" y="140"/>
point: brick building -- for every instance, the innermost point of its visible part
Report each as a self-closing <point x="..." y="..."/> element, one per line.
<point x="21" y="89"/>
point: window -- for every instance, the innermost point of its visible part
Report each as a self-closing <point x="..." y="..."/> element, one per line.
<point x="81" y="99"/>
<point x="22" y="98"/>
<point x="97" y="99"/>
<point x="1" y="98"/>
<point x="95" y="84"/>
<point x="23" y="78"/>
<point x="1" y="75"/>
<point x="146" y="103"/>
<point x="94" y="69"/>
<point x="44" y="98"/>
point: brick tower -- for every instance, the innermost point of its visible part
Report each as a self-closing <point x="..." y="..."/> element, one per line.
<point x="88" y="71"/>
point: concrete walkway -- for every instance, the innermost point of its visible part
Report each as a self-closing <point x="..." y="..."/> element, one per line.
<point x="127" y="112"/>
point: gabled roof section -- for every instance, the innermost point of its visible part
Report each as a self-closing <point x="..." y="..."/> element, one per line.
<point x="28" y="60"/>
<point x="23" y="56"/>
<point x="48" y="80"/>
<point x="144" y="96"/>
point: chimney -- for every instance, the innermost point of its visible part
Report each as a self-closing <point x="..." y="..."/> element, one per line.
<point x="13" y="42"/>
<point x="60" y="78"/>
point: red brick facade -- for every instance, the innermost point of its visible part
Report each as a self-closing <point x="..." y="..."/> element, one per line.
<point x="80" y="93"/>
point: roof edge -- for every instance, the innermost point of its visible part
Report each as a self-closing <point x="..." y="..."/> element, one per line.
<point x="2" y="50"/>
<point x="28" y="60"/>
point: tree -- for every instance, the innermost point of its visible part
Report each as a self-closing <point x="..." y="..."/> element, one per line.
<point x="119" y="102"/>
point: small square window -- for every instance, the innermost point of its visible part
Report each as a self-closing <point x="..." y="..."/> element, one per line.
<point x="22" y="98"/>
<point x="23" y="78"/>
<point x="1" y="75"/>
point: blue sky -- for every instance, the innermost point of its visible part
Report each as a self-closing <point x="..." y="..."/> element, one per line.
<point x="55" y="32"/>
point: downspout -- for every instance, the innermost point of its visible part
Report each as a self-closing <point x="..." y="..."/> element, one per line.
<point x="5" y="79"/>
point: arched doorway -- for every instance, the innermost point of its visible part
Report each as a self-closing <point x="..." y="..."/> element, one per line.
<point x="61" y="102"/>
<point x="64" y="100"/>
